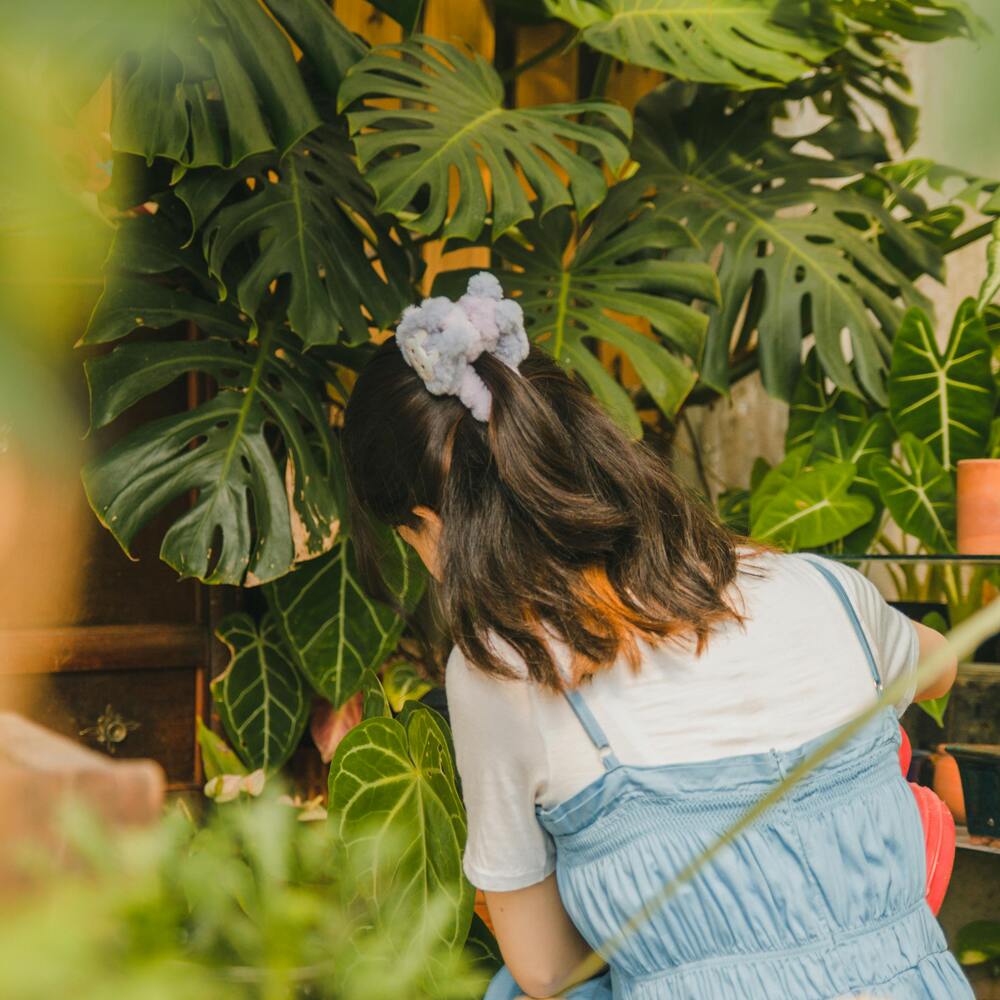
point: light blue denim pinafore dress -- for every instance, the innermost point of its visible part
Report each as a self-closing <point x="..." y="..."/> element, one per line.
<point x="823" y="897"/>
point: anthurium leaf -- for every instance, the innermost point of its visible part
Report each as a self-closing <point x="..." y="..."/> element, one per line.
<point x="813" y="508"/>
<point x="810" y="402"/>
<point x="772" y="482"/>
<point x="242" y="527"/>
<point x="309" y="217"/>
<point x="738" y="44"/>
<point x="790" y="263"/>
<point x="574" y="281"/>
<point x="334" y="630"/>
<point x="393" y="799"/>
<point x="209" y="85"/>
<point x="944" y="398"/>
<point x="978" y="942"/>
<point x="402" y="683"/>
<point x="260" y="697"/>
<point x="374" y="700"/>
<point x="920" y="494"/>
<point x="452" y="121"/>
<point x="217" y="757"/>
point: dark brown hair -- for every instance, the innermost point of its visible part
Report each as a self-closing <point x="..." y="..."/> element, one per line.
<point x="553" y="519"/>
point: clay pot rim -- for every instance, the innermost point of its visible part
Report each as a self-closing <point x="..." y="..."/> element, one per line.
<point x="979" y="461"/>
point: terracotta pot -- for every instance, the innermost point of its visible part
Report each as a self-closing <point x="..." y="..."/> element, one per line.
<point x="948" y="784"/>
<point x="979" y="506"/>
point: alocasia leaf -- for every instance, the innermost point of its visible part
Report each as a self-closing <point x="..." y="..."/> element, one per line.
<point x="452" y="120"/>
<point x="738" y="44"/>
<point x="260" y="697"/>
<point x="810" y="402"/>
<point x="334" y="630"/>
<point x="812" y="508"/>
<point x="946" y="399"/>
<point x="920" y="494"/>
<point x="307" y="216"/>
<point x="790" y="264"/>
<point x="394" y="801"/>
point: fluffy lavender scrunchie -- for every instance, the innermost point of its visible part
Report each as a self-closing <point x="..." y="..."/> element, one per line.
<point x="440" y="339"/>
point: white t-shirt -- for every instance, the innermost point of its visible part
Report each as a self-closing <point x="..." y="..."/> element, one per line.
<point x="793" y="671"/>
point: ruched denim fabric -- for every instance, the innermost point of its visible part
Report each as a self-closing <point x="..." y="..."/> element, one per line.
<point x="821" y="898"/>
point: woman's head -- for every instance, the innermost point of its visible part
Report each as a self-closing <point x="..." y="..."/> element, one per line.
<point x="546" y="516"/>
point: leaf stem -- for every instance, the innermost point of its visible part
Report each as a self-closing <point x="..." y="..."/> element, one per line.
<point x="601" y="74"/>
<point x="969" y="236"/>
<point x="539" y="57"/>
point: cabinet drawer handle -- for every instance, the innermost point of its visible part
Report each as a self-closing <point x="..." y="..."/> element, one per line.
<point x="110" y="729"/>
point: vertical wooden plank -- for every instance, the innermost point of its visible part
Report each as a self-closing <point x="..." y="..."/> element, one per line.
<point x="458" y="22"/>
<point x="549" y="82"/>
<point x="372" y="25"/>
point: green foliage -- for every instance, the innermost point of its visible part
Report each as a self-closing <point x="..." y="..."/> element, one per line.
<point x="333" y="630"/>
<point x="393" y="795"/>
<point x="453" y="117"/>
<point x="571" y="278"/>
<point x="217" y="757"/>
<point x="978" y="942"/>
<point x="402" y="682"/>
<point x="945" y="398"/>
<point x="251" y="906"/>
<point x="919" y="493"/>
<point x="740" y="45"/>
<point x="791" y="264"/>
<point x="309" y="216"/>
<point x="260" y="697"/>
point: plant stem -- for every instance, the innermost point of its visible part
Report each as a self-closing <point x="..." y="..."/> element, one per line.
<point x="970" y="236"/>
<point x="550" y="50"/>
<point x="601" y="74"/>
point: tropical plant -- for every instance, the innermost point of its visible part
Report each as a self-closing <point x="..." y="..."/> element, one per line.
<point x="247" y="903"/>
<point x="275" y="181"/>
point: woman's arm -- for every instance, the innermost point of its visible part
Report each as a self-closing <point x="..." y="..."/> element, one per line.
<point x="539" y="943"/>
<point x="939" y="685"/>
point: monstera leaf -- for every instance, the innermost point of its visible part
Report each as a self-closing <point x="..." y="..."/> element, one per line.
<point x="915" y="20"/>
<point x="452" y="119"/>
<point x="920" y="494"/>
<point x="811" y="505"/>
<point x="308" y="216"/>
<point x="738" y="44"/>
<point x="211" y="84"/>
<point x="790" y="263"/>
<point x="259" y="453"/>
<point x="260" y="697"/>
<point x="572" y="281"/>
<point x="393" y="799"/>
<point x="332" y="627"/>
<point x="946" y="399"/>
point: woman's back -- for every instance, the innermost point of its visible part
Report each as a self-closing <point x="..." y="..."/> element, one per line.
<point x="635" y="776"/>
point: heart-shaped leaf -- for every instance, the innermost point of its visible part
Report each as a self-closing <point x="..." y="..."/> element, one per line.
<point x="810" y="402"/>
<point x="920" y="494"/>
<point x="573" y="281"/>
<point x="790" y="263"/>
<point x="402" y="683"/>
<point x="945" y="398"/>
<point x="309" y="217"/>
<point x="217" y="757"/>
<point x="453" y="119"/>
<point x="260" y="697"/>
<point x="813" y="508"/>
<point x="393" y="798"/>
<point x="482" y="947"/>
<point x="738" y="44"/>
<point x="334" y="630"/>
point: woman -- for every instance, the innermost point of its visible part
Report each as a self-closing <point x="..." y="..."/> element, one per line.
<point x="627" y="678"/>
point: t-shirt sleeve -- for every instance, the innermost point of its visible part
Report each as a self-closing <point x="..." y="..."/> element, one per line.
<point x="502" y="764"/>
<point x="892" y="635"/>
